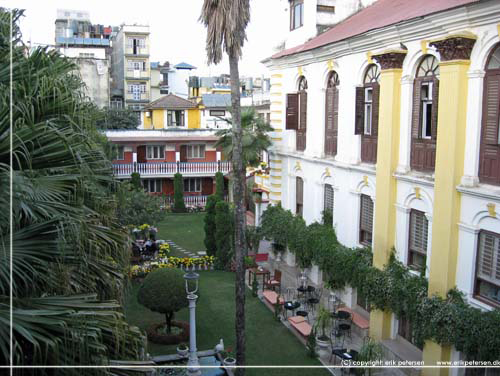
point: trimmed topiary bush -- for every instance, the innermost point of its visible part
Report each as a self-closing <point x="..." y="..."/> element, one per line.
<point x="224" y="233"/>
<point x="219" y="185"/>
<point x="164" y="291"/>
<point x="210" y="241"/>
<point x="179" y="206"/>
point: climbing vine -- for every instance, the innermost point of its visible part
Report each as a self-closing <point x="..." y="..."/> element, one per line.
<point x="446" y="320"/>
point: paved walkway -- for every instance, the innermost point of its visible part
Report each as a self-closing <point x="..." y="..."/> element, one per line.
<point x="182" y="250"/>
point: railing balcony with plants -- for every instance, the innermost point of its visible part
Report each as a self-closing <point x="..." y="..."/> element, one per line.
<point x="170" y="168"/>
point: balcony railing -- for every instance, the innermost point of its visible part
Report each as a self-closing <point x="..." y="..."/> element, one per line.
<point x="191" y="201"/>
<point x="170" y="168"/>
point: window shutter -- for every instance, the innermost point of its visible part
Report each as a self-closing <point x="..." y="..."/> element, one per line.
<point x="435" y="107"/>
<point x="335" y="119"/>
<point x="415" y="116"/>
<point x="375" y="104"/>
<point x="360" y="111"/>
<point x="328" y="206"/>
<point x="366" y="213"/>
<point x="300" y="191"/>
<point x="183" y="153"/>
<point x="292" y="107"/>
<point x="303" y="110"/>
<point x="489" y="161"/>
<point x="489" y="258"/>
<point x="418" y="231"/>
<point x="329" y="98"/>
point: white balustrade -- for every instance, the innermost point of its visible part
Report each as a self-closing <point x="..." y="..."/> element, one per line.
<point x="170" y="168"/>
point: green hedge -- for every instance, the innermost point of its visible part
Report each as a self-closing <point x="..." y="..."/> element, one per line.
<point x="447" y="321"/>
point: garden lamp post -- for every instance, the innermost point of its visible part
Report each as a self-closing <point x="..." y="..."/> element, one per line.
<point x="191" y="279"/>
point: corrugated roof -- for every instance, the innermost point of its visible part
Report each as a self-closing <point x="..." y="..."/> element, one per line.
<point x="380" y="14"/>
<point x="184" y="65"/>
<point x="171" y="102"/>
<point x="154" y="64"/>
<point x="216" y="100"/>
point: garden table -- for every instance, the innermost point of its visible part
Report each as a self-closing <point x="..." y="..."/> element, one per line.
<point x="255" y="272"/>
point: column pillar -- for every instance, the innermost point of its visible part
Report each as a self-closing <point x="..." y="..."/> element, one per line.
<point x="391" y="63"/>
<point x="455" y="53"/>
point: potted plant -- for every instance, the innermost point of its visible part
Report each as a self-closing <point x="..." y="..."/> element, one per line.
<point x="182" y="349"/>
<point x="369" y="352"/>
<point x="227" y="358"/>
<point x="322" y="322"/>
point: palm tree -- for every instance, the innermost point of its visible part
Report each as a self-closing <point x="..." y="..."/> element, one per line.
<point x="69" y="256"/>
<point x="255" y="138"/>
<point x="226" y="21"/>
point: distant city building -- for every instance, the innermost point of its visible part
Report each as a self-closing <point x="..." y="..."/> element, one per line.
<point x="89" y="45"/>
<point x="131" y="73"/>
<point x="166" y="79"/>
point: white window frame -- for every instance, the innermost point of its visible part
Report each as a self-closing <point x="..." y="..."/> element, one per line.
<point x="155" y="152"/>
<point x="296" y="22"/>
<point x="152" y="185"/>
<point x="425" y="242"/>
<point x="171" y="118"/>
<point x="217" y="113"/>
<point x="368" y="111"/>
<point x="192" y="183"/>
<point x="426" y="107"/>
<point x="120" y="153"/>
<point x="196" y="151"/>
<point x="494" y="266"/>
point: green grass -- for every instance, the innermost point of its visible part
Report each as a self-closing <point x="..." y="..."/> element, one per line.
<point x="184" y="229"/>
<point x="268" y="341"/>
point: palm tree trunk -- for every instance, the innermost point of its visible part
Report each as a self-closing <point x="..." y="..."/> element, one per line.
<point x="239" y="200"/>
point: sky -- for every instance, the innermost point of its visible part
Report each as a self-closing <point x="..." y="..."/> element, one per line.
<point x="176" y="34"/>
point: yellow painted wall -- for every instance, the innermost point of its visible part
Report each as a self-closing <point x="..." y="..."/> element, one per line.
<point x="158" y="116"/>
<point x="194" y="118"/>
<point x="387" y="161"/>
<point x="450" y="154"/>
<point x="147" y="120"/>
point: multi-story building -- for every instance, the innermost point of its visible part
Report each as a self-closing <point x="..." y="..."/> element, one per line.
<point x="170" y="140"/>
<point x="89" y="47"/>
<point x="390" y="120"/>
<point x="170" y="80"/>
<point x="131" y="72"/>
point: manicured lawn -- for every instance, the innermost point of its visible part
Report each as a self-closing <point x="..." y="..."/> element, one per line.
<point x="184" y="229"/>
<point x="268" y="341"/>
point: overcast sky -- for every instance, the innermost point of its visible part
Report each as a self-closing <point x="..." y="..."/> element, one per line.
<point x="176" y="35"/>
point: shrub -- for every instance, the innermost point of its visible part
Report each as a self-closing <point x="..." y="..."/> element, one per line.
<point x="134" y="206"/>
<point x="179" y="206"/>
<point x="210" y="241"/>
<point x="164" y="291"/>
<point x="219" y="185"/>
<point x="224" y="226"/>
<point x="136" y="181"/>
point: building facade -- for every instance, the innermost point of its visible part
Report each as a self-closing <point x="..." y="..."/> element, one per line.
<point x="169" y="141"/>
<point x="131" y="70"/>
<point x="166" y="79"/>
<point x="89" y="46"/>
<point x="390" y="120"/>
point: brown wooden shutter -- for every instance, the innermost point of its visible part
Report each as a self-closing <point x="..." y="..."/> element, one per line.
<point x="435" y="107"/>
<point x="183" y="153"/>
<point x="415" y="115"/>
<point x="375" y="107"/>
<point x="329" y="98"/>
<point x="207" y="186"/>
<point x="292" y="108"/>
<point x="489" y="160"/>
<point x="359" y="125"/>
<point x="366" y="213"/>
<point x="335" y="120"/>
<point x="488" y="267"/>
<point x="141" y="154"/>
<point x="302" y="128"/>
<point x="418" y="231"/>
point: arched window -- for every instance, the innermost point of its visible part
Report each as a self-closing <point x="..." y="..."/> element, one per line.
<point x="489" y="155"/>
<point x="424" y="116"/>
<point x="296" y="112"/>
<point x="331" y="113"/>
<point x="367" y="103"/>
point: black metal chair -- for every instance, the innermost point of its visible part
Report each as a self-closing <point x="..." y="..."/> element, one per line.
<point x="344" y="322"/>
<point x="314" y="300"/>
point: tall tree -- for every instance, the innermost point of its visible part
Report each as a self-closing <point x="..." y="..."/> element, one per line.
<point x="69" y="256"/>
<point x="226" y="21"/>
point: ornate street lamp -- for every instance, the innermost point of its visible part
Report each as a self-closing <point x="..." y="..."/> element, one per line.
<point x="191" y="279"/>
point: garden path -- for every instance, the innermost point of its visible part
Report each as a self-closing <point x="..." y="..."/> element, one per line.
<point x="182" y="250"/>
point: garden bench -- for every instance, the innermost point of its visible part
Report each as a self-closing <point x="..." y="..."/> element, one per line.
<point x="300" y="324"/>
<point x="357" y="319"/>
<point x="271" y="297"/>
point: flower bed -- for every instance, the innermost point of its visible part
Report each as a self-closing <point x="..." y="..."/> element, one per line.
<point x="185" y="263"/>
<point x="155" y="335"/>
